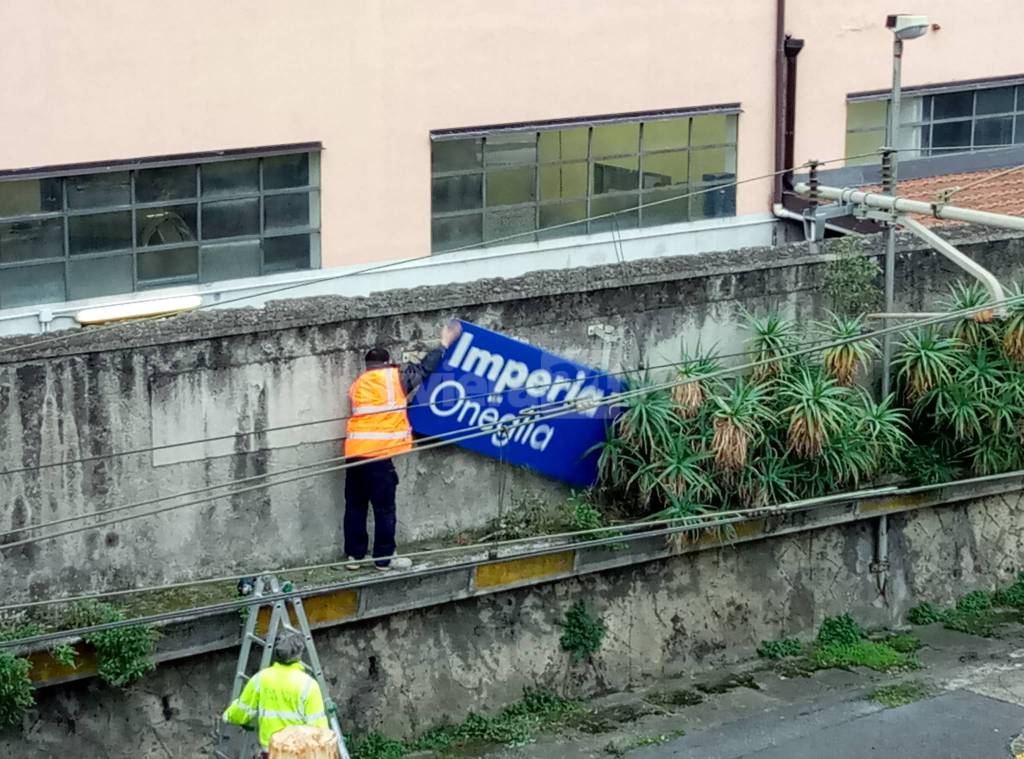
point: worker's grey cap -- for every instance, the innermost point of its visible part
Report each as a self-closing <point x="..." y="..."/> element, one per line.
<point x="289" y="647"/>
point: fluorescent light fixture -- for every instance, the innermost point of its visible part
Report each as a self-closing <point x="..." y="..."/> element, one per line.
<point x="145" y="309"/>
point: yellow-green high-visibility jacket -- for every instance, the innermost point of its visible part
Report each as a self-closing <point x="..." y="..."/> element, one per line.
<point x="277" y="697"/>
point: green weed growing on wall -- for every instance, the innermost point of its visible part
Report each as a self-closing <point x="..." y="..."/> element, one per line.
<point x="851" y="280"/>
<point x="582" y="634"/>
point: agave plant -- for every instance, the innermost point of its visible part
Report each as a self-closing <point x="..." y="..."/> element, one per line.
<point x="994" y="454"/>
<point x="768" y="480"/>
<point x="962" y="296"/>
<point x="882" y="425"/>
<point x="816" y="407"/>
<point x="649" y="419"/>
<point x="848" y="458"/>
<point x="843" y="361"/>
<point x="738" y="420"/>
<point x="676" y="473"/>
<point x="957" y="408"/>
<point x="690" y="395"/>
<point x="773" y="338"/>
<point x="1013" y="329"/>
<point x="926" y="360"/>
<point x="927" y="465"/>
<point x="982" y="371"/>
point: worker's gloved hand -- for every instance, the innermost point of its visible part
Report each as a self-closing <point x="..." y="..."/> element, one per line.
<point x="450" y="333"/>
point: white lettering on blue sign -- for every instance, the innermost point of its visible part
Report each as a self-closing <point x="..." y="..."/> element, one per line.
<point x="492" y="384"/>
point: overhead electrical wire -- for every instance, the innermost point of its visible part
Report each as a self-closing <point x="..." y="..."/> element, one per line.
<point x="393" y="264"/>
<point x="681" y="524"/>
<point x="693" y="522"/>
<point x="472" y="432"/>
<point x="297" y="425"/>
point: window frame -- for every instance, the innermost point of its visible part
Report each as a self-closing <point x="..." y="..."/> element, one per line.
<point x="925" y="125"/>
<point x="196" y="200"/>
<point x="586" y="225"/>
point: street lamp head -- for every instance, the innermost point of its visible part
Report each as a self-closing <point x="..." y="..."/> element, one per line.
<point x="907" y="27"/>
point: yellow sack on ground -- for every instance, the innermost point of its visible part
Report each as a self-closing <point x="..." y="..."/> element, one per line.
<point x="304" y="742"/>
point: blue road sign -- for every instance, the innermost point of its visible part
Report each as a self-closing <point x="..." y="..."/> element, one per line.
<point x="490" y="382"/>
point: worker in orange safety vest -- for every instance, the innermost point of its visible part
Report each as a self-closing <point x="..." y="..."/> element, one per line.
<point x="379" y="429"/>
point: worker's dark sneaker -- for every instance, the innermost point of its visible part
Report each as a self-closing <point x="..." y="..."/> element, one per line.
<point x="400" y="563"/>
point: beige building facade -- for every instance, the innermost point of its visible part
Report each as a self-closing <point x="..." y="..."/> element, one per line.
<point x="229" y="147"/>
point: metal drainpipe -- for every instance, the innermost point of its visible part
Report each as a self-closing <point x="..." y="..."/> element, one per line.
<point x="780" y="102"/>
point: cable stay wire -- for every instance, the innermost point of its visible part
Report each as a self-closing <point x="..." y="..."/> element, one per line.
<point x="314" y="422"/>
<point x="394" y="264"/>
<point x="620" y="257"/>
<point x="692" y="521"/>
<point x="483" y="430"/>
<point x="615" y="533"/>
<point x="535" y="408"/>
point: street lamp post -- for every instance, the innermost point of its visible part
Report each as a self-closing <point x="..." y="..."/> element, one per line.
<point x="904" y="27"/>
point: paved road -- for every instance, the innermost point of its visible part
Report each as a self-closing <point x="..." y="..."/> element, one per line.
<point x="952" y="725"/>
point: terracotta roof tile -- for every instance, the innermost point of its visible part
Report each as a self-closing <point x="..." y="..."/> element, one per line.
<point x="994" y="193"/>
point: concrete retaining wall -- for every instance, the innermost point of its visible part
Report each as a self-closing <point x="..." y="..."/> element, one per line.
<point x="405" y="672"/>
<point x="219" y="373"/>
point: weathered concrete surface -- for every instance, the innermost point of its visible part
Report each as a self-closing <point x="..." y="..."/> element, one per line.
<point x="403" y="673"/>
<point x="236" y="370"/>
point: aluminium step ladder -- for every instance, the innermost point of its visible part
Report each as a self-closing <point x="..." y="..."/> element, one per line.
<point x="240" y="744"/>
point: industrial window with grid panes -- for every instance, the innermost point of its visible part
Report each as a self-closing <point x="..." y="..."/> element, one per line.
<point x="80" y="235"/>
<point x="539" y="182"/>
<point x="943" y="121"/>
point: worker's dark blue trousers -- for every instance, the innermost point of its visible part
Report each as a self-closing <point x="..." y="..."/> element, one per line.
<point x="372" y="483"/>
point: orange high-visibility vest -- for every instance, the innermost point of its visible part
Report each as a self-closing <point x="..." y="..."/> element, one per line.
<point x="379" y="426"/>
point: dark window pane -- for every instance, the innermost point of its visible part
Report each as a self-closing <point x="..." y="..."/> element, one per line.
<point x="514" y="147"/>
<point x="285" y="253"/>
<point x="554" y="215"/>
<point x="607" y="204"/>
<point x="716" y="202"/>
<point x="170" y="183"/>
<point x="29" y="196"/>
<point x="91" y="277"/>
<point x="510" y="221"/>
<point x="509" y="186"/>
<point x="615" y="139"/>
<point x="30" y="285"/>
<point x="98" y="190"/>
<point x="455" y="155"/>
<point x="952" y="105"/>
<point x="286" y="211"/>
<point x="998" y="131"/>
<point x="230" y="177"/>
<point x="231" y="218"/>
<point x="1018" y="131"/>
<point x="612" y="175"/>
<point x="231" y="260"/>
<point x="31" y="240"/>
<point x="998" y="100"/>
<point x="952" y="134"/>
<point x="456" y="193"/>
<point x="165" y="226"/>
<point x="178" y="264"/>
<point x="668" y="208"/>
<point x="455" y="232"/>
<point x="99" y="232"/>
<point x="282" y="171"/>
